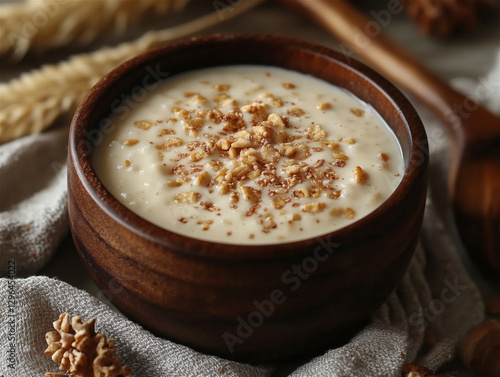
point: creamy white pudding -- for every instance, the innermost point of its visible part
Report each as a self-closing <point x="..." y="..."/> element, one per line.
<point x="250" y="155"/>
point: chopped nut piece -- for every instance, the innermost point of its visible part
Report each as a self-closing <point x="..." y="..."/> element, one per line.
<point x="276" y="120"/>
<point x="224" y="144"/>
<point x="203" y="179"/>
<point x="296" y="217"/>
<point x="278" y="202"/>
<point x="293" y="169"/>
<point x="313" y="207"/>
<point x="197" y="99"/>
<point x="350" y="141"/>
<point x="166" y="131"/>
<point x="198" y="155"/>
<point x="384" y="157"/>
<point x="340" y="156"/>
<point x="324" y="106"/>
<point x="268" y="154"/>
<point x="214" y="115"/>
<point x="240" y="172"/>
<point x="206" y="224"/>
<point x="221" y="97"/>
<point x="360" y="176"/>
<point x="250" y="194"/>
<point x="187" y="197"/>
<point x="288" y="150"/>
<point x="233" y="153"/>
<point x="315" y="133"/>
<point x="169" y="143"/>
<point x="192" y="126"/>
<point x="288" y="85"/>
<point x="304" y="193"/>
<point x="235" y="198"/>
<point x="181" y="113"/>
<point x="331" y="144"/>
<point x="228" y="102"/>
<point x="263" y="131"/>
<point x="244" y="140"/>
<point x="279" y="136"/>
<point x="358" y="112"/>
<point x="174" y="184"/>
<point x="127" y="163"/>
<point x="268" y="223"/>
<point x="275" y="101"/>
<point x="296" y="112"/>
<point x="222" y="87"/>
<point x="337" y="212"/>
<point x="254" y="174"/>
<point x="350" y="213"/>
<point x="258" y="111"/>
<point x="143" y="124"/>
<point x="224" y="188"/>
<point x="130" y="142"/>
<point x="209" y="206"/>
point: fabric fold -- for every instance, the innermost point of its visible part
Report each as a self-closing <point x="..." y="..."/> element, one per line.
<point x="33" y="203"/>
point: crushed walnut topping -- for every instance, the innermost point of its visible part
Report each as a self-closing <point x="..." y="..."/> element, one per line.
<point x="324" y="106"/>
<point x="253" y="152"/>
<point x="268" y="155"/>
<point x="144" y="124"/>
<point x="358" y="112"/>
<point x="222" y="87"/>
<point x="187" y="197"/>
<point x="130" y="142"/>
<point x="360" y="176"/>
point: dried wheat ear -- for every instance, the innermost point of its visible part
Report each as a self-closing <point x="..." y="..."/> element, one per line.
<point x="32" y="102"/>
<point x="40" y="25"/>
<point x="81" y="351"/>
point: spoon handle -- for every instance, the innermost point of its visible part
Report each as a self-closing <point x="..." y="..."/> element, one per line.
<point x="364" y="37"/>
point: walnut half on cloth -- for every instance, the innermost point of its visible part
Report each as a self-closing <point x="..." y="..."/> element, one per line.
<point x="81" y="352"/>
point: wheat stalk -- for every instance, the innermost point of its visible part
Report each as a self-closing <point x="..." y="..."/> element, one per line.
<point x="40" y="25"/>
<point x="31" y="103"/>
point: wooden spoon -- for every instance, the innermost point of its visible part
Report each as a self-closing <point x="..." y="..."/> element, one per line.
<point x="474" y="172"/>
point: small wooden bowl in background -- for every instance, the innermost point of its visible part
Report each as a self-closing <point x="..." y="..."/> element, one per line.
<point x="249" y="303"/>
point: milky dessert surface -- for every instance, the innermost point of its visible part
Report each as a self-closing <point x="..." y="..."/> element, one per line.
<point x="249" y="155"/>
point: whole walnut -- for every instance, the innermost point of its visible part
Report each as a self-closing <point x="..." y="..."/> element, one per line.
<point x="81" y="352"/>
<point x="440" y="18"/>
<point x="480" y="349"/>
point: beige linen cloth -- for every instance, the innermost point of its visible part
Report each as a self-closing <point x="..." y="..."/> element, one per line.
<point x="436" y="293"/>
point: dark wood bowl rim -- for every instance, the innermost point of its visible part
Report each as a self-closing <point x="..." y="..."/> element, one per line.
<point x="111" y="206"/>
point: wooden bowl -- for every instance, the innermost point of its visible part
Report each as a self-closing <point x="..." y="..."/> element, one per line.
<point x="250" y="303"/>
